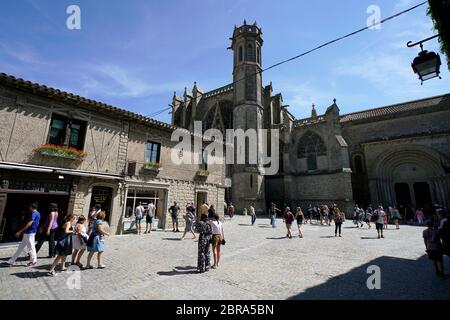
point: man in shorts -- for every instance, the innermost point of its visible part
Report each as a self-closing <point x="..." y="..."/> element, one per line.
<point x="379" y="223"/>
<point x="139" y="214"/>
<point x="149" y="217"/>
<point x="174" y="210"/>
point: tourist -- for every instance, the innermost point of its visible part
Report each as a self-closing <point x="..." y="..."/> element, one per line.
<point x="252" y="212"/>
<point x="173" y="210"/>
<point x="420" y="216"/>
<point x="138" y="215"/>
<point x="395" y="217"/>
<point x="79" y="240"/>
<point x="299" y="217"/>
<point x="338" y="220"/>
<point x="273" y="214"/>
<point x="379" y="216"/>
<point x="315" y="213"/>
<point x="189" y="217"/>
<point x="386" y="218"/>
<point x="308" y="215"/>
<point x="29" y="230"/>
<point x="288" y="219"/>
<point x="410" y="214"/>
<point x="368" y="217"/>
<point x="93" y="216"/>
<point x="230" y="210"/>
<point x="48" y="231"/>
<point x="203" y="210"/>
<point x="330" y="215"/>
<point x="64" y="244"/>
<point x="356" y="216"/>
<point x="362" y="215"/>
<point x="217" y="239"/>
<point x="444" y="231"/>
<point x="204" y="259"/>
<point x="95" y="242"/>
<point x="434" y="248"/>
<point x="150" y="214"/>
<point x="211" y="212"/>
<point x="225" y="208"/>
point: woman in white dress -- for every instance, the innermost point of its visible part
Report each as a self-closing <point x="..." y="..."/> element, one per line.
<point x="79" y="240"/>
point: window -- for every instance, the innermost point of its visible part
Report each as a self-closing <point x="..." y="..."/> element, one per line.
<point x="259" y="54"/>
<point x="251" y="181"/>
<point x="153" y="152"/>
<point x="241" y="54"/>
<point x="203" y="161"/>
<point x="250" y="53"/>
<point x="67" y="132"/>
<point x="310" y="146"/>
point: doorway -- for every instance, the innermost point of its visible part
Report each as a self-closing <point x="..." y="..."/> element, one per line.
<point x="402" y="194"/>
<point x="103" y="197"/>
<point x="423" y="194"/>
<point x="17" y="206"/>
<point x="201" y="197"/>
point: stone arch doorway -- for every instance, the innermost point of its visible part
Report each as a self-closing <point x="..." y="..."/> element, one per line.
<point x="410" y="176"/>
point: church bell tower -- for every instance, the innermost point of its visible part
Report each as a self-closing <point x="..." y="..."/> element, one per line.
<point x="247" y="181"/>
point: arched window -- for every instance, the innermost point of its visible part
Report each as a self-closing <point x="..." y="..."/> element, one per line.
<point x="250" y="53"/>
<point x="241" y="54"/>
<point x="358" y="164"/>
<point x="310" y="146"/>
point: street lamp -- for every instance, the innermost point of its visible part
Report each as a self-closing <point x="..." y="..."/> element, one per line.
<point x="426" y="64"/>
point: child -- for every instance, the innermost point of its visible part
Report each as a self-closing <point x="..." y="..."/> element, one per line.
<point x="433" y="247"/>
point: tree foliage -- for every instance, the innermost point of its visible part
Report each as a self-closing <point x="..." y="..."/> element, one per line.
<point x="439" y="11"/>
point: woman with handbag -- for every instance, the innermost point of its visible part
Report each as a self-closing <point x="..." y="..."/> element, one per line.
<point x="204" y="255"/>
<point x="79" y="240"/>
<point x="338" y="220"/>
<point x="95" y="242"/>
<point x="63" y="244"/>
<point x="217" y="240"/>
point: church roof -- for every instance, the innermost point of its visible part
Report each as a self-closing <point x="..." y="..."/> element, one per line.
<point x="57" y="94"/>
<point x="392" y="110"/>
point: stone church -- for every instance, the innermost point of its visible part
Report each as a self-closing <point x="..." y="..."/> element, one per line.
<point x="392" y="155"/>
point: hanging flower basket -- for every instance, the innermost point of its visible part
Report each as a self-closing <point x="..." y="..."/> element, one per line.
<point x="202" y="173"/>
<point x="51" y="150"/>
<point x="152" y="166"/>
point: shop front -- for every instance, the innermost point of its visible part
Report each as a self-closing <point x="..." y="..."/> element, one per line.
<point x="18" y="189"/>
<point x="145" y="194"/>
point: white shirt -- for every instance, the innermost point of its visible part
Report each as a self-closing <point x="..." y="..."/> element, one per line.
<point x="252" y="210"/>
<point x="381" y="216"/>
<point x="216" y="227"/>
<point x="139" y="211"/>
<point x="151" y="210"/>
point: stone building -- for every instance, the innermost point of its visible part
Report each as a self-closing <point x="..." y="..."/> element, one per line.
<point x="394" y="155"/>
<point x="56" y="147"/>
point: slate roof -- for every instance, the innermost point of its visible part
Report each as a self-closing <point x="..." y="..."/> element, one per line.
<point x="443" y="100"/>
<point x="67" y="97"/>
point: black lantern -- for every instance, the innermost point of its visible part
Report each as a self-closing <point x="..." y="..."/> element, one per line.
<point x="427" y="65"/>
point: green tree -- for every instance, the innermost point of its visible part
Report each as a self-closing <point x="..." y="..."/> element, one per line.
<point x="439" y="11"/>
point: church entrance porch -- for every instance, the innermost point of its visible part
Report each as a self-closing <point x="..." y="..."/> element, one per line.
<point x="409" y="176"/>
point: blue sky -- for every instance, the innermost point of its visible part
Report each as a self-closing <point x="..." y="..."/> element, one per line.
<point x="134" y="54"/>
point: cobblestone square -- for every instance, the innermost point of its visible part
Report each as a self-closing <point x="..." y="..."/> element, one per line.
<point x="258" y="262"/>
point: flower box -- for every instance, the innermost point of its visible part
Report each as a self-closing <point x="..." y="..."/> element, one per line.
<point x="152" y="167"/>
<point x="60" y="152"/>
<point x="202" y="173"/>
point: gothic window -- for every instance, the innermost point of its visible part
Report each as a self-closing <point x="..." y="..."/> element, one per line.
<point x="241" y="54"/>
<point x="310" y="146"/>
<point x="259" y="54"/>
<point x="250" y="53"/>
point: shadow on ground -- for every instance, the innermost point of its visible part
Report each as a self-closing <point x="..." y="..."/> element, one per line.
<point x="177" y="271"/>
<point x="400" y="279"/>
